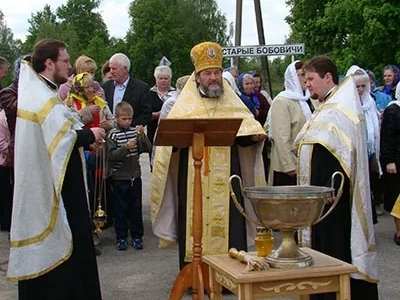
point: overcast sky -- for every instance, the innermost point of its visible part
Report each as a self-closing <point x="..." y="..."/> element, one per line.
<point x="115" y="15"/>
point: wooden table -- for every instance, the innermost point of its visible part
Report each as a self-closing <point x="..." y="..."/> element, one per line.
<point x="327" y="274"/>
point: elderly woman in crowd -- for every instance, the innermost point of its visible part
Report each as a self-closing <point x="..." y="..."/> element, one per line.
<point x="93" y="111"/>
<point x="82" y="64"/>
<point x="372" y="118"/>
<point x="246" y="88"/>
<point x="230" y="80"/>
<point x="391" y="76"/>
<point x="159" y="93"/>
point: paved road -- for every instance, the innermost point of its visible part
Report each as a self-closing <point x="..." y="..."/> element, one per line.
<point x="150" y="273"/>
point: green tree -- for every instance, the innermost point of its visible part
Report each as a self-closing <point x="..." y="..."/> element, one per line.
<point x="171" y="28"/>
<point x="362" y="32"/>
<point x="9" y="47"/>
<point x="87" y="24"/>
<point x="305" y="22"/>
<point x="41" y="24"/>
<point x="44" y="24"/>
<point x="75" y="23"/>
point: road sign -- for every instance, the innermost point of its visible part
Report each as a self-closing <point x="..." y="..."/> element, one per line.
<point x="283" y="49"/>
<point x="164" y="61"/>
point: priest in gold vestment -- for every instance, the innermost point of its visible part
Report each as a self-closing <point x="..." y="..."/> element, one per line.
<point x="206" y="95"/>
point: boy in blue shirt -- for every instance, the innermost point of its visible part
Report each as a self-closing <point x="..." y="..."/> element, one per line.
<point x="124" y="145"/>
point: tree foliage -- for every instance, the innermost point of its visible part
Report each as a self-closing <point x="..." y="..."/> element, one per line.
<point x="362" y="32"/>
<point x="9" y="47"/>
<point x="75" y="23"/>
<point x="171" y="28"/>
<point x="86" y="23"/>
<point x="41" y="24"/>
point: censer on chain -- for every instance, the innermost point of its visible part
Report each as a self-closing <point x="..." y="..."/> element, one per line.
<point x="100" y="215"/>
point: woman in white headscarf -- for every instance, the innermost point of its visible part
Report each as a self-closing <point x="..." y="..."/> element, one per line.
<point x="231" y="81"/>
<point x="390" y="160"/>
<point x="372" y="119"/>
<point x="290" y="110"/>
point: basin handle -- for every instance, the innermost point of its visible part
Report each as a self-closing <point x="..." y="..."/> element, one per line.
<point x="337" y="196"/>
<point x="235" y="200"/>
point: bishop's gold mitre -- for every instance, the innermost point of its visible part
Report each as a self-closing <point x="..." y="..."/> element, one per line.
<point x="206" y="55"/>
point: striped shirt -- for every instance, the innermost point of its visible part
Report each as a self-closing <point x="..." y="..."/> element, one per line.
<point x="124" y="163"/>
<point x="121" y="138"/>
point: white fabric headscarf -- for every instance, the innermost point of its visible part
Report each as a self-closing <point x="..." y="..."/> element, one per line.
<point x="397" y="96"/>
<point x="372" y="116"/>
<point x="231" y="81"/>
<point x="294" y="91"/>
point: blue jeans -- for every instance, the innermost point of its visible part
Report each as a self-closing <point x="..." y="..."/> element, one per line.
<point x="128" y="208"/>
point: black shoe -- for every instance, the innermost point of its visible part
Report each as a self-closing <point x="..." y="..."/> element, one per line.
<point x="396" y="239"/>
<point x="137" y="244"/>
<point x="97" y="251"/>
<point x="122" y="244"/>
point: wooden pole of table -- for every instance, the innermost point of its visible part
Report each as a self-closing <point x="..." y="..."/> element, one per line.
<point x="195" y="274"/>
<point x="197" y="133"/>
<point x="197" y="152"/>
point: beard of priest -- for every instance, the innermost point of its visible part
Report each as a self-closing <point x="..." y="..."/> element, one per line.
<point x="209" y="83"/>
<point x="205" y="96"/>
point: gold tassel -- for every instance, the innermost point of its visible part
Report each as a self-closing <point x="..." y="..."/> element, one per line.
<point x="254" y="263"/>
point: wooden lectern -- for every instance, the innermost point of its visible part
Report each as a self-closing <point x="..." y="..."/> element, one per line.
<point x="198" y="133"/>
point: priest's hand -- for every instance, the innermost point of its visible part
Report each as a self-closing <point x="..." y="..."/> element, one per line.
<point x="391" y="168"/>
<point x="258" y="137"/>
<point x="97" y="147"/>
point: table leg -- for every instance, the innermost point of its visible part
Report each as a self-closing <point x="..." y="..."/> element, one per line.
<point x="344" y="288"/>
<point x="304" y="297"/>
<point x="215" y="287"/>
<point x="245" y="291"/>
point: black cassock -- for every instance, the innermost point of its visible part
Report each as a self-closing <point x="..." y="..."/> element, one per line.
<point x="332" y="235"/>
<point x="237" y="223"/>
<point x="77" y="278"/>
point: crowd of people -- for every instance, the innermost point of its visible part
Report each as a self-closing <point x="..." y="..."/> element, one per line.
<point x="318" y="124"/>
